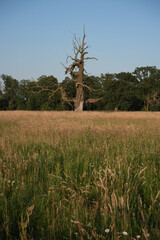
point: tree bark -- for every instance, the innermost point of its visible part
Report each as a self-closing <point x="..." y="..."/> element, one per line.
<point x="76" y="70"/>
<point x="79" y="101"/>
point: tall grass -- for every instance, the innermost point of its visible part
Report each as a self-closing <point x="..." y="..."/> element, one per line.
<point x="72" y="175"/>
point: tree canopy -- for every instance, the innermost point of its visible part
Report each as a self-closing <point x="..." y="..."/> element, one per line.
<point x="124" y="91"/>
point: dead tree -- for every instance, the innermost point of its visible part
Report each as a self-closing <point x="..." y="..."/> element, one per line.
<point x="76" y="70"/>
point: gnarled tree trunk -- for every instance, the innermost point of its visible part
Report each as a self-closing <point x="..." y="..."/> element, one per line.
<point x="79" y="100"/>
<point x="76" y="70"/>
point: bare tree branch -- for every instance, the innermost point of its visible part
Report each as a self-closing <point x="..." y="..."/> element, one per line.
<point x="90" y="58"/>
<point x="93" y="100"/>
<point x="76" y="70"/>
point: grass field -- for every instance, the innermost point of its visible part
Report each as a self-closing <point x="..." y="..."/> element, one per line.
<point x="89" y="175"/>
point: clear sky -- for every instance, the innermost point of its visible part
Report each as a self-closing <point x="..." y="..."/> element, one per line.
<point x="36" y="35"/>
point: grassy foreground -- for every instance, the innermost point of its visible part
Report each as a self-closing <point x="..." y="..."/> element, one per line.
<point x="67" y="175"/>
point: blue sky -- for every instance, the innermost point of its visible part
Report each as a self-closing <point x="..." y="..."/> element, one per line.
<point x="36" y="35"/>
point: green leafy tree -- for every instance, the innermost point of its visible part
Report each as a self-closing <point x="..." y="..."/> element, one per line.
<point x="23" y="95"/>
<point x="94" y="90"/>
<point x="127" y="76"/>
<point x="121" y="92"/>
<point x="32" y="102"/>
<point x="70" y="89"/>
<point x="149" y="85"/>
<point x="10" y="96"/>
<point x="43" y="94"/>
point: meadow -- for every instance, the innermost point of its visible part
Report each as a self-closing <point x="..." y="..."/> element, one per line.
<point x="86" y="175"/>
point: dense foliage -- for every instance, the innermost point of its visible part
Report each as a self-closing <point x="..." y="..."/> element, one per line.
<point x="124" y="91"/>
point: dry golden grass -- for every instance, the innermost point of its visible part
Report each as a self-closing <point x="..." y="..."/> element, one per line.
<point x="13" y="115"/>
<point x="24" y="127"/>
<point x="50" y="126"/>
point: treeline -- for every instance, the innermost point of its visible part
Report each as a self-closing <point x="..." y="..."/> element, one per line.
<point x="124" y="91"/>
